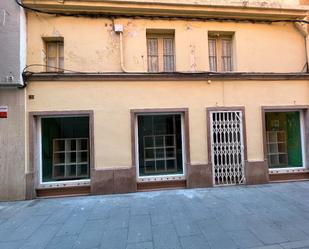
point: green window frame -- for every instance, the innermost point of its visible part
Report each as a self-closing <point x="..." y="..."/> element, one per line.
<point x="284" y="140"/>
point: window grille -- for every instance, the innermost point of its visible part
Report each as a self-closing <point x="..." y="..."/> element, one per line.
<point x="227" y="148"/>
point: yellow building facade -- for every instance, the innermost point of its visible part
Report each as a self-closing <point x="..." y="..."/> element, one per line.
<point x="125" y="96"/>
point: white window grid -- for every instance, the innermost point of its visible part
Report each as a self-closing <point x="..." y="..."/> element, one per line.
<point x="277" y="148"/>
<point x="70" y="158"/>
<point x="160" y="152"/>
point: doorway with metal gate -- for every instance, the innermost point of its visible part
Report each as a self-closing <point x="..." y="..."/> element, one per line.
<point x="227" y="147"/>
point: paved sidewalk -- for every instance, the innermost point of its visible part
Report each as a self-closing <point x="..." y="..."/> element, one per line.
<point x="272" y="216"/>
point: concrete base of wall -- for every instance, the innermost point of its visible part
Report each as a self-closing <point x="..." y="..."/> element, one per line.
<point x="199" y="176"/>
<point x="256" y="172"/>
<point x="63" y="191"/>
<point x="113" y="181"/>
<point x="161" y="185"/>
<point x="291" y="176"/>
<point x="123" y="180"/>
<point x="30" y="189"/>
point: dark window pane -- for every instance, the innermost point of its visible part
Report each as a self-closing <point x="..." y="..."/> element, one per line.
<point x="171" y="164"/>
<point x="159" y="141"/>
<point x="71" y="170"/>
<point x="149" y="142"/>
<point x="160" y="166"/>
<point x="149" y="154"/>
<point x="84" y="169"/>
<point x="170" y="152"/>
<point x="163" y="133"/>
<point x="62" y="148"/>
<point x="160" y="153"/>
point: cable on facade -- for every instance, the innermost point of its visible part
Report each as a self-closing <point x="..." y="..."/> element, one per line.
<point x="51" y="67"/>
<point x="101" y="15"/>
<point x="62" y="70"/>
<point x="27" y="74"/>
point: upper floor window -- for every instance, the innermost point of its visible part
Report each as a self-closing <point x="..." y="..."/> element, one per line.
<point x="220" y="52"/>
<point x="54" y="55"/>
<point x="160" y="51"/>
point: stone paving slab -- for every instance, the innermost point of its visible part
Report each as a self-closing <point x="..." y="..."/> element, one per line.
<point x="271" y="216"/>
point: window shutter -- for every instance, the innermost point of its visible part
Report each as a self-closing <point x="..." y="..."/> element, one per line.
<point x="61" y="55"/>
<point x="168" y="54"/>
<point x="226" y="54"/>
<point x="152" y="47"/>
<point x="51" y="56"/>
<point x="55" y="56"/>
<point x="212" y="51"/>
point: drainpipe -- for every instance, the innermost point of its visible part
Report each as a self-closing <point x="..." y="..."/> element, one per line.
<point x="302" y="30"/>
<point x="121" y="53"/>
<point x="118" y="28"/>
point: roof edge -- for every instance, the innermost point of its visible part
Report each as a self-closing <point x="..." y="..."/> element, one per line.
<point x="160" y="9"/>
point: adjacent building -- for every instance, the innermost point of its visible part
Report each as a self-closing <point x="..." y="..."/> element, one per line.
<point x="12" y="101"/>
<point x="125" y="96"/>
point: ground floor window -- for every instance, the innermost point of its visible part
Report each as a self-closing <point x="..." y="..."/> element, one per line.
<point x="160" y="146"/>
<point x="64" y="148"/>
<point x="284" y="140"/>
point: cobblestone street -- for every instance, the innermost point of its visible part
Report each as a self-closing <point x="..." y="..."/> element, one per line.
<point x="272" y="216"/>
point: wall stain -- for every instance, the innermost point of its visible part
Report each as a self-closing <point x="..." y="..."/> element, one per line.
<point x="193" y="65"/>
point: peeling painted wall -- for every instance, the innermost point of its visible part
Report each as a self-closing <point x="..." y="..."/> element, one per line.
<point x="91" y="44"/>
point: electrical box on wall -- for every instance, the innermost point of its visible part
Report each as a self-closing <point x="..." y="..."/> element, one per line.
<point x="118" y="28"/>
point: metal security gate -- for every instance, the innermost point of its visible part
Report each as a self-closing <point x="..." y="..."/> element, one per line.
<point x="227" y="149"/>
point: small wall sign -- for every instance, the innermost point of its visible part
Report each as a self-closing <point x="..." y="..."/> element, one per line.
<point x="3" y="111"/>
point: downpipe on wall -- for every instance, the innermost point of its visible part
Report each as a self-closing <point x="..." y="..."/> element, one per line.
<point x="121" y="52"/>
<point x="118" y="29"/>
<point x="302" y="30"/>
